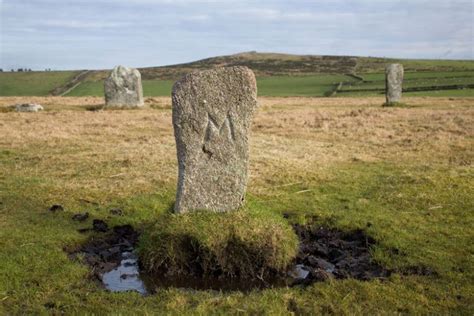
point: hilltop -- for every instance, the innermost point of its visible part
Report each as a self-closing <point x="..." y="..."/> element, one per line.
<point x="277" y="64"/>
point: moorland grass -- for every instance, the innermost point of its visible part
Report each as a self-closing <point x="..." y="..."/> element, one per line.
<point x="403" y="176"/>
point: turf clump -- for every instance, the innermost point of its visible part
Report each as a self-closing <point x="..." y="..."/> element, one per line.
<point x="238" y="244"/>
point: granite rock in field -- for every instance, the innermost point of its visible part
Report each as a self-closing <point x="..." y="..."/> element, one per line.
<point x="393" y="83"/>
<point x="28" y="107"/>
<point x="123" y="88"/>
<point x="212" y="114"/>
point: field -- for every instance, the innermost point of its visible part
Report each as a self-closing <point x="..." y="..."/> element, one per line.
<point x="278" y="75"/>
<point x="420" y="83"/>
<point x="403" y="175"/>
<point x="151" y="88"/>
<point x="428" y="84"/>
<point x="32" y="83"/>
<point x="268" y="86"/>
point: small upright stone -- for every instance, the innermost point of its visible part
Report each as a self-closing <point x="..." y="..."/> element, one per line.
<point x="123" y="88"/>
<point x="212" y="114"/>
<point x="393" y="83"/>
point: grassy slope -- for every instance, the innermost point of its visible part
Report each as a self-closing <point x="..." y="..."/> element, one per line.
<point x="417" y="203"/>
<point x="374" y="65"/>
<point x="280" y="75"/>
<point x="439" y="93"/>
<point x="311" y="86"/>
<point x="316" y="85"/>
<point x="151" y="88"/>
<point x="415" y="79"/>
<point x="283" y="64"/>
<point x="32" y="83"/>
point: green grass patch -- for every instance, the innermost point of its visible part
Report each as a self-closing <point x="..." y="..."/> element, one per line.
<point x="419" y="214"/>
<point x="374" y="84"/>
<point x="314" y="86"/>
<point x="32" y="83"/>
<point x="244" y="243"/>
<point x="151" y="88"/>
<point x="442" y="93"/>
<point x="317" y="85"/>
<point x="377" y="65"/>
<point x="409" y="208"/>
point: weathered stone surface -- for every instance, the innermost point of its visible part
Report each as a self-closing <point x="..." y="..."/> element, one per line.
<point x="123" y="88"/>
<point x="28" y="107"/>
<point x="393" y="83"/>
<point x="212" y="114"/>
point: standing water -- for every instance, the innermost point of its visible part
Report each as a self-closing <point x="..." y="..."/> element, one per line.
<point x="125" y="277"/>
<point x="324" y="254"/>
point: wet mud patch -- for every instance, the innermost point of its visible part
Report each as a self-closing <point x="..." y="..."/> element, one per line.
<point x="110" y="253"/>
<point x="324" y="253"/>
<point x="330" y="253"/>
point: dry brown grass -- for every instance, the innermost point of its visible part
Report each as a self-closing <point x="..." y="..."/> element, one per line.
<point x="130" y="151"/>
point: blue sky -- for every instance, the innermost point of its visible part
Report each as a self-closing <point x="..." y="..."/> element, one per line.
<point x="96" y="34"/>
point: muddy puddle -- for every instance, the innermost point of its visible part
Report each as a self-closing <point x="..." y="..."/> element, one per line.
<point x="324" y="254"/>
<point x="126" y="276"/>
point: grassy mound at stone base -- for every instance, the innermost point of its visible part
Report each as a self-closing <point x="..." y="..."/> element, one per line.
<point x="240" y="244"/>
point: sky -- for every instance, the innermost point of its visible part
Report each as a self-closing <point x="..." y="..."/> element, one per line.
<point x="99" y="34"/>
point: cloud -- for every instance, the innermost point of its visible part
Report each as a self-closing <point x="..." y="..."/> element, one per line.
<point x="103" y="33"/>
<point x="81" y="24"/>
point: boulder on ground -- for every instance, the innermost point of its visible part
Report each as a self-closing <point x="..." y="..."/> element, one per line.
<point x="28" y="107"/>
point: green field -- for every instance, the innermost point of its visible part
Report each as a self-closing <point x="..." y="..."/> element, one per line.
<point x="151" y="88"/>
<point x="439" y="93"/>
<point x="32" y="83"/>
<point x="317" y="85"/>
<point x="267" y="86"/>
<point x="377" y="65"/>
<point x="442" y="83"/>
<point x="278" y="75"/>
<point x="311" y="86"/>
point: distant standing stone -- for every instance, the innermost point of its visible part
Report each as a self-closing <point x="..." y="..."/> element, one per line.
<point x="28" y="107"/>
<point x="123" y="88"/>
<point x="393" y="83"/>
<point x="212" y="114"/>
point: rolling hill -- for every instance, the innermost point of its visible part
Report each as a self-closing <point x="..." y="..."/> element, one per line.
<point x="278" y="75"/>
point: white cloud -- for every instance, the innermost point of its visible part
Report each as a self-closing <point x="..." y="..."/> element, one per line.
<point x="158" y="32"/>
<point x="81" y="24"/>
